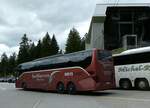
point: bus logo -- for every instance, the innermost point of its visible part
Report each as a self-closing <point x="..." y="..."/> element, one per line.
<point x="68" y="74"/>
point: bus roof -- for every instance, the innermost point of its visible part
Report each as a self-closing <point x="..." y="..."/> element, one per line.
<point x="133" y="51"/>
<point x="47" y="57"/>
<point x="58" y="55"/>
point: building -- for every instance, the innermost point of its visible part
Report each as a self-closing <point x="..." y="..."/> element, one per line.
<point x="119" y="26"/>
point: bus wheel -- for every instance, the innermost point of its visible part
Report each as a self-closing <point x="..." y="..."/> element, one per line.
<point x="142" y="84"/>
<point x="125" y="84"/>
<point x="60" y="87"/>
<point x="71" y="88"/>
<point x="24" y="85"/>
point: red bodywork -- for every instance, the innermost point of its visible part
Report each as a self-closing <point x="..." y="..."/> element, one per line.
<point x="97" y="76"/>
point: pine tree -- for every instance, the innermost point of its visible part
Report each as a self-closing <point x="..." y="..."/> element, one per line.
<point x="73" y="42"/>
<point x="32" y="52"/>
<point x="12" y="64"/>
<point x="4" y="64"/>
<point x="82" y="43"/>
<point x="38" y="50"/>
<point x="46" y="46"/>
<point x="23" y="55"/>
<point x="54" y="46"/>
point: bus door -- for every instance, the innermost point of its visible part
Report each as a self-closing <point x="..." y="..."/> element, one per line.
<point x="106" y="63"/>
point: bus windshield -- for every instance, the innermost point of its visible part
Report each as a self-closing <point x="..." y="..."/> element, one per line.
<point x="104" y="55"/>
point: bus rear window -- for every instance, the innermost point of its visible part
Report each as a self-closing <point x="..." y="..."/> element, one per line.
<point x="104" y="55"/>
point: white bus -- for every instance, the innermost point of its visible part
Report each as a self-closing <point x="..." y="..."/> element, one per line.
<point x="132" y="68"/>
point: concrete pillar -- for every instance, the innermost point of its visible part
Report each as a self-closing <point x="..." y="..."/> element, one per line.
<point x="97" y="35"/>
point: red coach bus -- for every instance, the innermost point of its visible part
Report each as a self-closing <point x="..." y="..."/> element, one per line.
<point x="89" y="70"/>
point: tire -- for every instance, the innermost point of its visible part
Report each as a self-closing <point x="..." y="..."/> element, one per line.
<point x="142" y="84"/>
<point x="60" y="87"/>
<point x="24" y="86"/>
<point x="125" y="84"/>
<point x="71" y="88"/>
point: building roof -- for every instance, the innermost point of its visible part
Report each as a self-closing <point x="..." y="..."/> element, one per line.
<point x="101" y="8"/>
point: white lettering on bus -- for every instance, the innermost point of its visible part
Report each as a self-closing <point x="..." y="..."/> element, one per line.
<point x="68" y="74"/>
<point x="40" y="76"/>
<point x="133" y="68"/>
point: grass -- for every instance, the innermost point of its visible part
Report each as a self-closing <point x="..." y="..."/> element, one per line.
<point x="117" y="51"/>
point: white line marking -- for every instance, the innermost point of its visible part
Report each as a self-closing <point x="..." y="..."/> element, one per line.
<point x="36" y="104"/>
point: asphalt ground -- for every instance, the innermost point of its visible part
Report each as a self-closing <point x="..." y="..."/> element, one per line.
<point x="10" y="97"/>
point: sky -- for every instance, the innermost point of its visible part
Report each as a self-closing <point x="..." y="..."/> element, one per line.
<point x="36" y="17"/>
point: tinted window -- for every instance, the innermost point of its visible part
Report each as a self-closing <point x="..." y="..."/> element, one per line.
<point x="82" y="59"/>
<point x="132" y="58"/>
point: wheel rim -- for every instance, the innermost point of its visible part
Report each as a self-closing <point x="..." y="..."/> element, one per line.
<point x="142" y="85"/>
<point x="71" y="89"/>
<point x="60" y="88"/>
<point x="126" y="85"/>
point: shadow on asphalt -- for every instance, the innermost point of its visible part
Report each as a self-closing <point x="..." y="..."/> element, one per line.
<point x="87" y="93"/>
<point x="98" y="93"/>
<point x="132" y="89"/>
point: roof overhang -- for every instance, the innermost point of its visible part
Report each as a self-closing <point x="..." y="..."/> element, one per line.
<point x="100" y="9"/>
